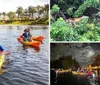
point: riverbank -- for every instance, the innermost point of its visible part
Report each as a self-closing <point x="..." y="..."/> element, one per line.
<point x="37" y="25"/>
<point x="25" y="22"/>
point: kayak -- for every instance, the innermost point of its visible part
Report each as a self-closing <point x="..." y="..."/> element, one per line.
<point x="38" y="38"/>
<point x="1" y="61"/>
<point x="33" y="43"/>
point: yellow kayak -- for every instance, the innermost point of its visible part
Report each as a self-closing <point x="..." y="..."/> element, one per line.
<point x="33" y="43"/>
<point x="1" y="61"/>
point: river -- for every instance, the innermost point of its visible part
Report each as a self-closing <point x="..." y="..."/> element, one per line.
<point x="29" y="66"/>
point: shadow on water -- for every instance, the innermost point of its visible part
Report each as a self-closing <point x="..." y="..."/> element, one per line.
<point x="29" y="66"/>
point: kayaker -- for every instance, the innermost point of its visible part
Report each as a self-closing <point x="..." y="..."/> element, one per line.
<point x="26" y="36"/>
<point x="1" y="50"/>
<point x="28" y="31"/>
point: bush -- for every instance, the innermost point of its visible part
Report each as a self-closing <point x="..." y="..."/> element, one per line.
<point x="86" y="4"/>
<point x="55" y="9"/>
<point x="61" y="31"/>
<point x="82" y="31"/>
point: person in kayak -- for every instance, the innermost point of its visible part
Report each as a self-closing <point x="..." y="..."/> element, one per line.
<point x="26" y="36"/>
<point x="28" y="31"/>
<point x="1" y="50"/>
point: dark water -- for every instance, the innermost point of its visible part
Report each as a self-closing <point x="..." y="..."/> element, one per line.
<point x="28" y="67"/>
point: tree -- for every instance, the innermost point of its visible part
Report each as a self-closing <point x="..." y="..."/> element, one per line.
<point x="38" y="10"/>
<point x="32" y="10"/>
<point x="4" y="14"/>
<point x="46" y="8"/>
<point x="41" y="10"/>
<point x="0" y="14"/>
<point x="26" y="12"/>
<point x="11" y="15"/>
<point x="19" y="11"/>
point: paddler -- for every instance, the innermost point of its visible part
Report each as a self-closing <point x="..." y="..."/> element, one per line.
<point x="27" y="35"/>
<point x="28" y="31"/>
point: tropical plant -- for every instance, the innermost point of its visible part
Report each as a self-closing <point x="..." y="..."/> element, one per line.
<point x="31" y="10"/>
<point x="86" y="4"/>
<point x="11" y="15"/>
<point x="19" y="11"/>
<point x="55" y="9"/>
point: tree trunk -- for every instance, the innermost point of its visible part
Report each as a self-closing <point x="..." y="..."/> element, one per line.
<point x="32" y="15"/>
<point x="62" y="14"/>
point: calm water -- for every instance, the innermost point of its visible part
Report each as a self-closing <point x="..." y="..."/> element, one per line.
<point x="28" y="66"/>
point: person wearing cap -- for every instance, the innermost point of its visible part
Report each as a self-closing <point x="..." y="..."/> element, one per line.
<point x="28" y="31"/>
<point x="26" y="36"/>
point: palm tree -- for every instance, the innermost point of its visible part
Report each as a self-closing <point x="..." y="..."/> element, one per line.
<point x="26" y="13"/>
<point x="41" y="10"/>
<point x="46" y="8"/>
<point x="4" y="14"/>
<point x="32" y="10"/>
<point x="19" y="11"/>
<point x="38" y="10"/>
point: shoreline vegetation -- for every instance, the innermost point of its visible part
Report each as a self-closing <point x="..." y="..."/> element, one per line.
<point x="38" y="15"/>
<point x="75" y="20"/>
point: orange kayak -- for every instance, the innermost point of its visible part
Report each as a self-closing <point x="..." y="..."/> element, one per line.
<point x="33" y="43"/>
<point x="38" y="38"/>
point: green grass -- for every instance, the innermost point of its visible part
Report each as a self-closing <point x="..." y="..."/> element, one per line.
<point x="25" y="22"/>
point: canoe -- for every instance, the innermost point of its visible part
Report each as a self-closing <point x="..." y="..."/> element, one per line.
<point x="1" y="61"/>
<point x="33" y="43"/>
<point x="38" y="38"/>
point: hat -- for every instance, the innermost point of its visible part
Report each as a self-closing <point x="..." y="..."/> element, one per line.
<point x="28" y="29"/>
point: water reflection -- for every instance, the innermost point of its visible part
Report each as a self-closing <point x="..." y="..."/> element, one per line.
<point x="37" y="49"/>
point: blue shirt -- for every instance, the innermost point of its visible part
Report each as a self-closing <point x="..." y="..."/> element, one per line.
<point x="1" y="48"/>
<point x="25" y="35"/>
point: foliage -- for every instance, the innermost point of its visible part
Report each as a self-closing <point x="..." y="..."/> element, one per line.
<point x="61" y="31"/>
<point x="78" y="28"/>
<point x="82" y="31"/>
<point x="70" y="11"/>
<point x="12" y="15"/>
<point x="55" y="9"/>
<point x="86" y="4"/>
<point x="98" y="13"/>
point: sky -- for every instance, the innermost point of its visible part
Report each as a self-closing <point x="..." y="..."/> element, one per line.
<point x="84" y="53"/>
<point x="11" y="5"/>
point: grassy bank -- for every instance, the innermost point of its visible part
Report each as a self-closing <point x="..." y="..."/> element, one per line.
<point x="25" y="22"/>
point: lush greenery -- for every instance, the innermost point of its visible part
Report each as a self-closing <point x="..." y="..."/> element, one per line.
<point x="86" y="29"/>
<point x="31" y="15"/>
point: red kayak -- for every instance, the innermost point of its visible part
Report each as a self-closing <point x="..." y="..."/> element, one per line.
<point x="38" y="38"/>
